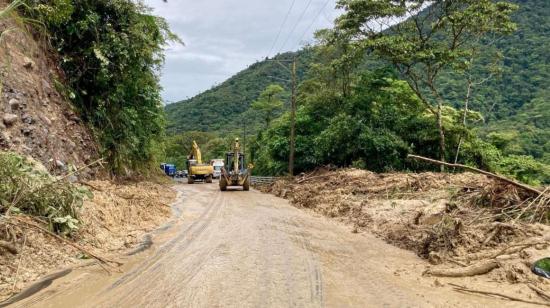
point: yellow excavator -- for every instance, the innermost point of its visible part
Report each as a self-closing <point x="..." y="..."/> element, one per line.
<point x="234" y="172"/>
<point x="197" y="171"/>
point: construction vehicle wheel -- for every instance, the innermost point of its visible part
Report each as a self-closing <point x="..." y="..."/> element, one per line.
<point x="209" y="179"/>
<point x="223" y="184"/>
<point x="246" y="185"/>
<point x="190" y="180"/>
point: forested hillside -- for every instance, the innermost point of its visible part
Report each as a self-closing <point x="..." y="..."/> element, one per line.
<point x="506" y="100"/>
<point x="222" y="107"/>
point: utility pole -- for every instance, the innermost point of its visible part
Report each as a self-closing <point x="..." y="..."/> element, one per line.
<point x="292" y="121"/>
<point x="292" y="71"/>
<point x="244" y="139"/>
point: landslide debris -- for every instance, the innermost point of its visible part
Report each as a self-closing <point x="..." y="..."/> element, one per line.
<point x="463" y="224"/>
<point x="114" y="220"/>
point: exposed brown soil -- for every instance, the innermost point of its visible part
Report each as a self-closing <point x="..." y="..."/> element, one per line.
<point x="36" y="117"/>
<point x="453" y="220"/>
<point x="114" y="221"/>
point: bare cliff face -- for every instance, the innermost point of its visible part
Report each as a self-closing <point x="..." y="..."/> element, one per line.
<point x="36" y="119"/>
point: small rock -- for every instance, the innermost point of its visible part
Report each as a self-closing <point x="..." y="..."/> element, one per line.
<point x="46" y="120"/>
<point x="59" y="164"/>
<point x="10" y="119"/>
<point x="437" y="283"/>
<point x="46" y="85"/>
<point x="27" y="131"/>
<point x="72" y="179"/>
<point x="14" y="104"/>
<point x="28" y="63"/>
<point x="4" y="139"/>
<point x="27" y="119"/>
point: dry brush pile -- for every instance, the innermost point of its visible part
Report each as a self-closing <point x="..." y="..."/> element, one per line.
<point x="465" y="224"/>
<point x="47" y="223"/>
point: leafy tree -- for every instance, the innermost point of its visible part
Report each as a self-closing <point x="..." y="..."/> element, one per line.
<point x="269" y="103"/>
<point x="431" y="40"/>
<point x="111" y="52"/>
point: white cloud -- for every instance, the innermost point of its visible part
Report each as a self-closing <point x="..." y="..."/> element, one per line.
<point x="223" y="37"/>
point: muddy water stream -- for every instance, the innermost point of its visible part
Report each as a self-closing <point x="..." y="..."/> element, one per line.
<point x="247" y="249"/>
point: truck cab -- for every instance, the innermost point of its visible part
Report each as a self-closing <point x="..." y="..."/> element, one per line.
<point x="217" y="164"/>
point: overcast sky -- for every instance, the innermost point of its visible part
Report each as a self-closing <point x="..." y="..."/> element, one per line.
<point x="223" y="37"/>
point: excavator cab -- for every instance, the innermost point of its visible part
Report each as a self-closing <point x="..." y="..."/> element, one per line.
<point x="234" y="173"/>
<point x="229" y="161"/>
<point x="197" y="171"/>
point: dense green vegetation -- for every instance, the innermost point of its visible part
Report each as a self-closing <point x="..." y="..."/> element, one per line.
<point x="178" y="147"/>
<point x="223" y="107"/>
<point x="111" y="52"/>
<point x="364" y="110"/>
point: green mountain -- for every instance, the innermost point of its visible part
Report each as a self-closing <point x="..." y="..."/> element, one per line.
<point x="504" y="100"/>
<point x="222" y="107"/>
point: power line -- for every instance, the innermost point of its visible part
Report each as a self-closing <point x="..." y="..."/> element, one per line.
<point x="296" y="25"/>
<point x="313" y="21"/>
<point x="282" y="26"/>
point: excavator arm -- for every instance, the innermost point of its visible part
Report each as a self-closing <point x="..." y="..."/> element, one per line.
<point x="236" y="152"/>
<point x="196" y="153"/>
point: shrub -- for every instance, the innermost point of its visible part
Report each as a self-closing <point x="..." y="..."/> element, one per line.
<point x="26" y="187"/>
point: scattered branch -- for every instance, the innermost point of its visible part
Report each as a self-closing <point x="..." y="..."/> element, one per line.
<point x="472" y="270"/>
<point x="463" y="289"/>
<point x="489" y="174"/>
<point x="540" y="292"/>
<point x="37" y="227"/>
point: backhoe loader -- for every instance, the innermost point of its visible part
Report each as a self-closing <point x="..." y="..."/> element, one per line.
<point x="234" y="173"/>
<point x="197" y="171"/>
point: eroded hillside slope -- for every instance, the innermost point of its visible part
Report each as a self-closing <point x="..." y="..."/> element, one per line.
<point x="36" y="117"/>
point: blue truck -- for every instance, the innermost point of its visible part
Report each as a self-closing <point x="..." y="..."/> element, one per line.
<point x="169" y="169"/>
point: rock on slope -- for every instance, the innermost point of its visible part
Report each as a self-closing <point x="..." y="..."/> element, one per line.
<point x="36" y="119"/>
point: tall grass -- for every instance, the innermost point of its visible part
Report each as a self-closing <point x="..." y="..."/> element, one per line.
<point x="6" y="13"/>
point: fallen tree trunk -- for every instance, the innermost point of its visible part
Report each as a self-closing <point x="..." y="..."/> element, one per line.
<point x="472" y="270"/>
<point x="489" y="174"/>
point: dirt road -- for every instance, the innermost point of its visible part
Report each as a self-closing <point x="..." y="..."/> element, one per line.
<point x="247" y="249"/>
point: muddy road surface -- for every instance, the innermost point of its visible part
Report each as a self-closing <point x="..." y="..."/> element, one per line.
<point x="248" y="249"/>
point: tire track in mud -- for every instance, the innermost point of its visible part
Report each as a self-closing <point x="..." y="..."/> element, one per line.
<point x="179" y="243"/>
<point x="315" y="276"/>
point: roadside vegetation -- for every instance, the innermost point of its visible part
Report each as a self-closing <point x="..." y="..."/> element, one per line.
<point x="362" y="103"/>
<point x="26" y="187"/>
<point x="111" y="53"/>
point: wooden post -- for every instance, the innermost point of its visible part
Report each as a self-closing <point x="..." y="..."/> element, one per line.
<point x="292" y="121"/>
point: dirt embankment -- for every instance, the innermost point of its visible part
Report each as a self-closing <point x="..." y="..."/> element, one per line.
<point x="114" y="221"/>
<point x="36" y="116"/>
<point x="459" y="222"/>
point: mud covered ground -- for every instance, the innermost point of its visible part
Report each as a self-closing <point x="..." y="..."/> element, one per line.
<point x="113" y="222"/>
<point x="458" y="222"/>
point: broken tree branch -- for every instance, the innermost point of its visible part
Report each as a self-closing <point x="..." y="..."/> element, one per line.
<point x="489" y="174"/>
<point x="472" y="270"/>
<point x="39" y="228"/>
<point x="460" y="288"/>
<point x="313" y="177"/>
<point x="540" y="292"/>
